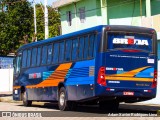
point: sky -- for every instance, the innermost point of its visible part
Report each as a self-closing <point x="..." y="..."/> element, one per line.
<point x="38" y="1"/>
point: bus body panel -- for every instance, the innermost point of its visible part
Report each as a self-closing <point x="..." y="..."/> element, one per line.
<point x="42" y="83"/>
<point x="129" y="61"/>
<point x="133" y="74"/>
<point x="80" y="77"/>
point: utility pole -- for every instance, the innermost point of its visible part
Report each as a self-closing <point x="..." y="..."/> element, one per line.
<point x="35" y="22"/>
<point x="46" y="19"/>
<point x="148" y="8"/>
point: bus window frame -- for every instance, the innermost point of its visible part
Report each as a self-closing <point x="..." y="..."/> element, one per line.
<point x="86" y="41"/>
<point x="40" y="55"/>
<point x="45" y="50"/>
<point x="104" y="41"/>
<point x="77" y="42"/>
<point x="35" y="57"/>
<point x="25" y="60"/>
<point x="94" y="33"/>
<point x="51" y="53"/>
<point x="92" y="47"/>
<point x="142" y="34"/>
<point x="65" y="51"/>
<point x="17" y="69"/>
<point x="82" y="57"/>
<point x="30" y="49"/>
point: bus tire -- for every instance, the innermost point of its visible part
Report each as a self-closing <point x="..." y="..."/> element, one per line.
<point x="25" y="100"/>
<point x="63" y="104"/>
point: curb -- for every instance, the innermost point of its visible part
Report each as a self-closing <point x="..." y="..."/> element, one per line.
<point x="6" y="99"/>
<point x="158" y="113"/>
<point x="9" y="99"/>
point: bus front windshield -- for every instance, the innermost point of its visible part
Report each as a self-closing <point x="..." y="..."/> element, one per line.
<point x="124" y="40"/>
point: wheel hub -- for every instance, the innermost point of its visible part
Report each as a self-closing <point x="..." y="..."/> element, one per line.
<point x="62" y="98"/>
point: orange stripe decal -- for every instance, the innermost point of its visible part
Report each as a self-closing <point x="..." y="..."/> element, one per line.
<point x="129" y="76"/>
<point x="16" y="87"/>
<point x="131" y="73"/>
<point x="129" y="79"/>
<point x="57" y="76"/>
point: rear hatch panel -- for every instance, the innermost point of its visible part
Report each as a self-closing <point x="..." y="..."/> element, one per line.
<point x="129" y="70"/>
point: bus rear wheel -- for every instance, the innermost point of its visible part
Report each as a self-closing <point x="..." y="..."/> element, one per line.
<point x="25" y="100"/>
<point x="63" y="104"/>
<point x="62" y="101"/>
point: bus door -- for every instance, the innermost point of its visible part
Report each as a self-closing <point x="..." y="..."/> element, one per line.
<point x="16" y="75"/>
<point x="17" y="66"/>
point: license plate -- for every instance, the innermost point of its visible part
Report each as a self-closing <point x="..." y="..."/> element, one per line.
<point x="128" y="93"/>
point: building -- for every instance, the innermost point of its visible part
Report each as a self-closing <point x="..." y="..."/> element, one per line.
<point x="6" y="73"/>
<point x="81" y="14"/>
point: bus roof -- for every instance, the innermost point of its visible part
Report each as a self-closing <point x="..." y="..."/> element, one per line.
<point x="96" y="28"/>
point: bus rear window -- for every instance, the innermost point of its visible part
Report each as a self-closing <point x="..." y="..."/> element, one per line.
<point x="122" y="40"/>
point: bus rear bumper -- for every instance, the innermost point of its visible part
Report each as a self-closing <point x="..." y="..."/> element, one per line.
<point x="126" y="94"/>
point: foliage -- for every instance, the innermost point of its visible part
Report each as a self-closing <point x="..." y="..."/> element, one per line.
<point x="17" y="24"/>
<point x="53" y="22"/>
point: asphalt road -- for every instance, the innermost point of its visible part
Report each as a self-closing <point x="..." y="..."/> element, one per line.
<point x="134" y="111"/>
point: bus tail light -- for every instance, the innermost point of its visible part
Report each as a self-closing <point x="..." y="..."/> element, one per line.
<point x="101" y="76"/>
<point x="154" y="83"/>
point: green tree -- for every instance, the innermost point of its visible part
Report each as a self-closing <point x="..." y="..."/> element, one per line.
<point x="53" y="22"/>
<point x="3" y="32"/>
<point x="15" y="25"/>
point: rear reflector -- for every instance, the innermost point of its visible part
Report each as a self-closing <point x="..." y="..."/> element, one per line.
<point x="109" y="89"/>
<point x="154" y="83"/>
<point x="148" y="91"/>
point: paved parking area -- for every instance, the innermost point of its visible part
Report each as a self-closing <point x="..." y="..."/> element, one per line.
<point x="49" y="110"/>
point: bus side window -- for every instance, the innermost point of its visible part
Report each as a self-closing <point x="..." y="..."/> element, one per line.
<point x="49" y="54"/>
<point x="61" y="52"/>
<point x="86" y="45"/>
<point x="55" y="53"/>
<point x="81" y="46"/>
<point x="91" y="45"/>
<point x="34" y="55"/>
<point x="68" y="50"/>
<point x="44" y="55"/>
<point x="17" y="64"/>
<point x="38" y="56"/>
<point x="28" y="58"/>
<point x="24" y="58"/>
<point x="74" y="49"/>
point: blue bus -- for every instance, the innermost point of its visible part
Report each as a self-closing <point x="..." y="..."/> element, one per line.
<point x="103" y="65"/>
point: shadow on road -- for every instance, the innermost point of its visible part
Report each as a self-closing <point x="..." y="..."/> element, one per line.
<point x="5" y="95"/>
<point x="123" y="108"/>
